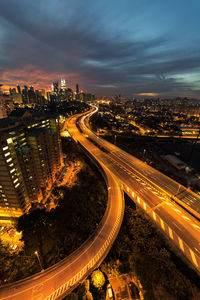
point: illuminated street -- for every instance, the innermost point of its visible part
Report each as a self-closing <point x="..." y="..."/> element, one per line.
<point x="152" y="191"/>
<point x="99" y="150"/>
<point x="61" y="278"/>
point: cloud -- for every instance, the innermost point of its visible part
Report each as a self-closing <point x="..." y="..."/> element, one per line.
<point x="101" y="45"/>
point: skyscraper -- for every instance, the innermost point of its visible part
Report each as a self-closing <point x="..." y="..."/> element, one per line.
<point x="77" y="92"/>
<point x="19" y="89"/>
<point x="77" y="89"/>
<point x="55" y="88"/>
<point x="25" y="97"/>
<point x="3" y="113"/>
<point x="63" y="85"/>
<point x="30" y="156"/>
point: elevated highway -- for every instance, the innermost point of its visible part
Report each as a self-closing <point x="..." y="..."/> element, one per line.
<point x="175" y="209"/>
<point x="60" y="279"/>
<point x="172" y="207"/>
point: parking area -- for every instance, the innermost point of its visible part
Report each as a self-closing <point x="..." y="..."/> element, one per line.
<point x="125" y="287"/>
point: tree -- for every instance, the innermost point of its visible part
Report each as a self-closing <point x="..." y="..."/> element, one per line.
<point x="98" y="279"/>
<point x="14" y="265"/>
<point x="110" y="268"/>
<point x="71" y="296"/>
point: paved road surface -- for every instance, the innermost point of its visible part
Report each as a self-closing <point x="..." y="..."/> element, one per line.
<point x="154" y="191"/>
<point x="61" y="278"/>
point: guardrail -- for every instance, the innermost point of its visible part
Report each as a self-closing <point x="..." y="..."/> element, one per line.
<point x="61" y="278"/>
<point x="192" y="254"/>
<point x="192" y="257"/>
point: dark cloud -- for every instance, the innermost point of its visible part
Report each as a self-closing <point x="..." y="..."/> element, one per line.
<point x="86" y="43"/>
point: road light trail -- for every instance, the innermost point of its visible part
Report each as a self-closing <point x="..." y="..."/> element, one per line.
<point x="61" y="278"/>
<point x="153" y="192"/>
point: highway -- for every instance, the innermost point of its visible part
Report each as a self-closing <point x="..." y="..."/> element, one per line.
<point x="158" y="195"/>
<point x="151" y="190"/>
<point x="61" y="278"/>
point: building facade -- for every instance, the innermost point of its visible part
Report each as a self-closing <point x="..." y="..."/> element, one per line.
<point x="30" y="158"/>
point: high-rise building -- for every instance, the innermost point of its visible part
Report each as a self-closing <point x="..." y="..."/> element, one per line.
<point x="83" y="97"/>
<point x="31" y="95"/>
<point x="30" y="156"/>
<point x="25" y="98"/>
<point x="55" y="88"/>
<point x="77" y="89"/>
<point x="3" y="113"/>
<point x="12" y="91"/>
<point x="16" y="98"/>
<point x="43" y="92"/>
<point x="63" y="85"/>
<point x="19" y="89"/>
<point x="77" y="92"/>
<point x="69" y="93"/>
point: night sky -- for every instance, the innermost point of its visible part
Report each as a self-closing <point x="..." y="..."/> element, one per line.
<point x="130" y="47"/>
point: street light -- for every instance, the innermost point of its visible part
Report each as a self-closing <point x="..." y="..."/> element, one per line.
<point x="178" y="190"/>
<point x="36" y="253"/>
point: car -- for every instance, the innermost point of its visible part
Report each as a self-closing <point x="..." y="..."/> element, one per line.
<point x="124" y="292"/>
<point x="133" y="290"/>
<point x="110" y="291"/>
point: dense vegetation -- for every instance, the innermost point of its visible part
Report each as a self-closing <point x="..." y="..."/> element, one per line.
<point x="141" y="248"/>
<point x="57" y="233"/>
<point x="14" y="266"/>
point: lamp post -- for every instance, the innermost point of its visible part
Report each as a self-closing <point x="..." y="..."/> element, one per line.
<point x="36" y="253"/>
<point x="178" y="190"/>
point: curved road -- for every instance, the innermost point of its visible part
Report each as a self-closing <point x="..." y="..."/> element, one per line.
<point x="60" y="279"/>
<point x="156" y="194"/>
<point x="150" y="189"/>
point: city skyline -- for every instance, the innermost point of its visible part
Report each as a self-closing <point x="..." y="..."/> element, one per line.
<point x="133" y="48"/>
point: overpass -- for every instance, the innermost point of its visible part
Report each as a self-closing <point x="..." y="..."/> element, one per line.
<point x="174" y="209"/>
<point x="61" y="278"/>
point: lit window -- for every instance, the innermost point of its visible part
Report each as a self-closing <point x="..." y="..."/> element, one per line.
<point x="15" y="180"/>
<point x="6" y="154"/>
<point x="11" y="171"/>
<point x="17" y="185"/>
<point x="11" y="165"/>
<point x="8" y="160"/>
<point x="9" y="141"/>
<point x="5" y="148"/>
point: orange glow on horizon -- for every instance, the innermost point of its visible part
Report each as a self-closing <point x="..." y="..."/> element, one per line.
<point x="30" y="75"/>
<point x="148" y="94"/>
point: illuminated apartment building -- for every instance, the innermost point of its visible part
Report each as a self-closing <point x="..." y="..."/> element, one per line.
<point x="13" y="194"/>
<point x="30" y="157"/>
